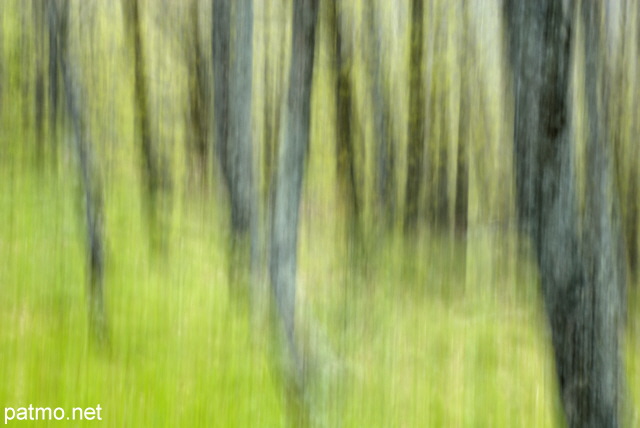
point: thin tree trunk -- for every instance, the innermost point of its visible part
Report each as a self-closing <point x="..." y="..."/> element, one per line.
<point x="198" y="117"/>
<point x="53" y="83"/>
<point x="345" y="150"/>
<point x="154" y="178"/>
<point x="415" y="150"/>
<point x="91" y="187"/>
<point x="385" y="145"/>
<point x="464" y="133"/>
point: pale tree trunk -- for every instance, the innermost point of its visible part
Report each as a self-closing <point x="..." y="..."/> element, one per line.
<point x="603" y="244"/>
<point x="233" y="77"/>
<point x="292" y="152"/>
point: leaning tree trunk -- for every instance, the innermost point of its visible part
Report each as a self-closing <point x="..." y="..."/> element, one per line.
<point x="580" y="290"/>
<point x="292" y="151"/>
<point x="74" y="94"/>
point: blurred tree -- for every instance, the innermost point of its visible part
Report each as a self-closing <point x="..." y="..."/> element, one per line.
<point x="91" y="185"/>
<point x="232" y="73"/>
<point x="273" y="93"/>
<point x="415" y="149"/>
<point x="154" y="177"/>
<point x="198" y="115"/>
<point x="466" y="67"/>
<point x="603" y="242"/>
<point x="345" y="150"/>
<point x="53" y="76"/>
<point x="39" y="11"/>
<point x="292" y="151"/>
<point x="581" y="286"/>
<point x="385" y="140"/>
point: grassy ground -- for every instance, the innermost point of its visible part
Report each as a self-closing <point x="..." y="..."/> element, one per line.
<point x="420" y="341"/>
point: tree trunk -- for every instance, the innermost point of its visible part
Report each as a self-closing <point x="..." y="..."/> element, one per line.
<point x="91" y="187"/>
<point x="198" y="111"/>
<point x="345" y="150"/>
<point x="233" y="78"/>
<point x="153" y="177"/>
<point x="580" y="290"/>
<point x="603" y="249"/>
<point x="415" y="149"/>
<point x="233" y="101"/>
<point x="385" y="145"/>
<point x="292" y="151"/>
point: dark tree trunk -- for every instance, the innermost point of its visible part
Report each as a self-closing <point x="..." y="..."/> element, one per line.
<point x="198" y="111"/>
<point x="467" y="57"/>
<point x="345" y="150"/>
<point x="581" y="291"/>
<point x="385" y="145"/>
<point x="603" y="249"/>
<point x="220" y="52"/>
<point x="39" y="12"/>
<point x="292" y="151"/>
<point x="154" y="178"/>
<point x="53" y="77"/>
<point x="415" y="150"/>
<point x="91" y="186"/>
<point x="440" y="199"/>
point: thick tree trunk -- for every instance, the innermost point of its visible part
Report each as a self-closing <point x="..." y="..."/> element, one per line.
<point x="580" y="289"/>
<point x="292" y="151"/>
<point x="603" y="249"/>
<point x="415" y="149"/>
<point x="92" y="192"/>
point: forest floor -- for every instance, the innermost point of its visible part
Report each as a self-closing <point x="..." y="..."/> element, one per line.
<point x="421" y="339"/>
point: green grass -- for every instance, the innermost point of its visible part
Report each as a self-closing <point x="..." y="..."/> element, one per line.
<point x="411" y="351"/>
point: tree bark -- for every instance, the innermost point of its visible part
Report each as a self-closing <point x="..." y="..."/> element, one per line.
<point x="345" y="150"/>
<point x="385" y="144"/>
<point x="292" y="152"/>
<point x="233" y="103"/>
<point x="91" y="186"/>
<point x="415" y="149"/>
<point x="581" y="285"/>
<point x="198" y="106"/>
